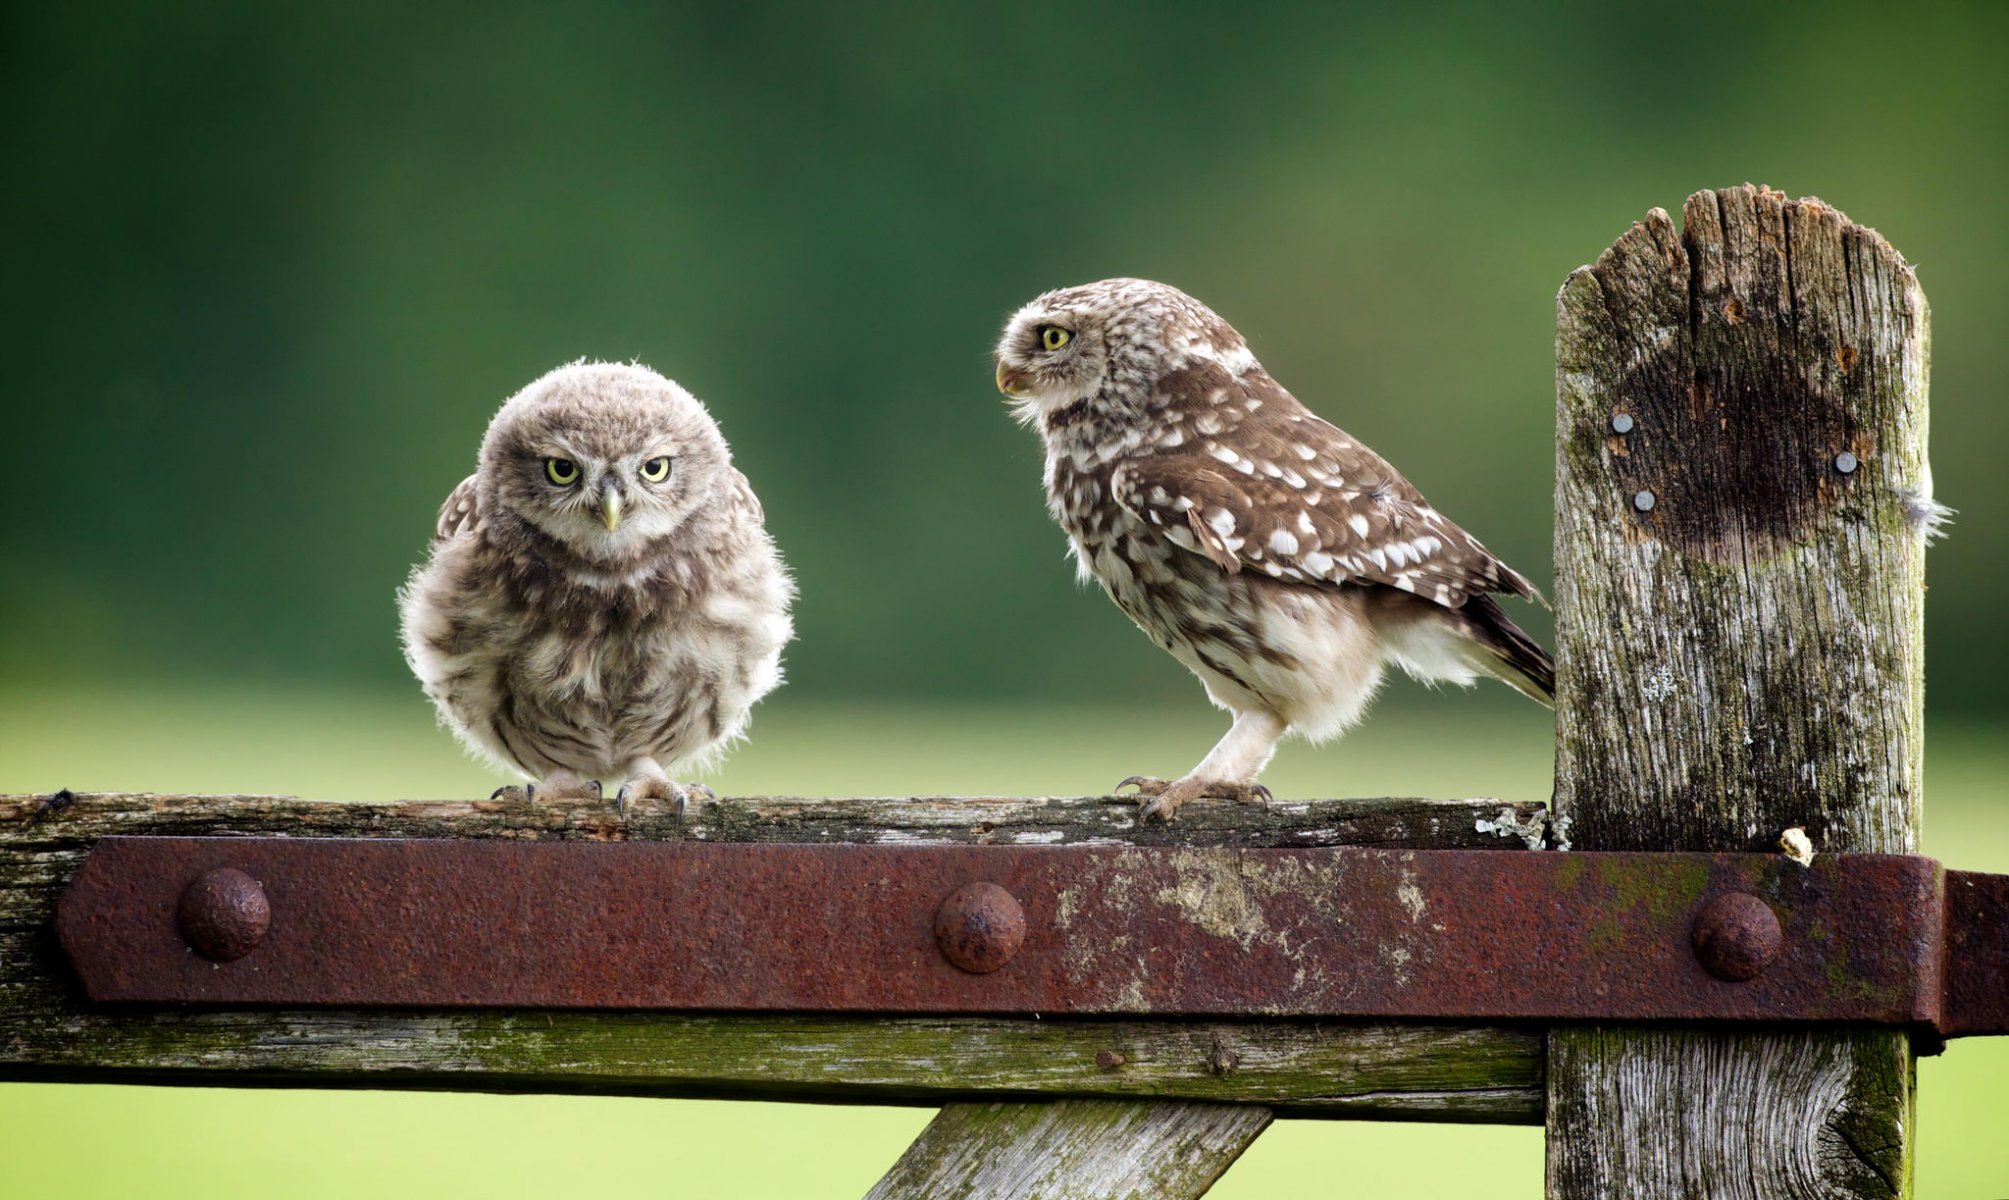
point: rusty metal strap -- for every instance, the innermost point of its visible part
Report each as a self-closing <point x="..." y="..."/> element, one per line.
<point x="1478" y="935"/>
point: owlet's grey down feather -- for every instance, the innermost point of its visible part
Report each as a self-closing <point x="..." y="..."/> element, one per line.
<point x="1280" y="560"/>
<point x="602" y="599"/>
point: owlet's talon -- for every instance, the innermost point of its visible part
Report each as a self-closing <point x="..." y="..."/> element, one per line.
<point x="652" y="785"/>
<point x="1146" y="785"/>
<point x="693" y="791"/>
<point x="512" y="793"/>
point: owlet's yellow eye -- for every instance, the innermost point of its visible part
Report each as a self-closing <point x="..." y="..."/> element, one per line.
<point x="561" y="471"/>
<point x="1053" y="337"/>
<point x="656" y="470"/>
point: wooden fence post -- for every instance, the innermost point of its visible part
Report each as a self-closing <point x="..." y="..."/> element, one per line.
<point x="1742" y="510"/>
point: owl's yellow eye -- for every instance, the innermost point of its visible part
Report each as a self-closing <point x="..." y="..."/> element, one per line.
<point x="1053" y="337"/>
<point x="656" y="470"/>
<point x="561" y="471"/>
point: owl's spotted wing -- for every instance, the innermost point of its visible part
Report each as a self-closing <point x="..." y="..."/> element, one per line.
<point x="1304" y="503"/>
<point x="460" y="512"/>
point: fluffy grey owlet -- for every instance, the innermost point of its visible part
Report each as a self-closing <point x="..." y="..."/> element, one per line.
<point x="602" y="599"/>
<point x="1282" y="562"/>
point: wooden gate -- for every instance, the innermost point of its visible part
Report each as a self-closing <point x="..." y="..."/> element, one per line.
<point x="1742" y="511"/>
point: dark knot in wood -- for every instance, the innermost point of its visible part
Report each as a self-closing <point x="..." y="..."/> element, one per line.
<point x="1738" y="454"/>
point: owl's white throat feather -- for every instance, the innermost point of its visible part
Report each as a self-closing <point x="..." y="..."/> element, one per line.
<point x="582" y="531"/>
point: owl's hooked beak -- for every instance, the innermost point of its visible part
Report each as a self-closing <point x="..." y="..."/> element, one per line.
<point x="1011" y="380"/>
<point x="610" y="506"/>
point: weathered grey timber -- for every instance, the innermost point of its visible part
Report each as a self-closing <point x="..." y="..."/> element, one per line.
<point x="1305" y="1068"/>
<point x="1739" y="590"/>
<point x="1072" y="1150"/>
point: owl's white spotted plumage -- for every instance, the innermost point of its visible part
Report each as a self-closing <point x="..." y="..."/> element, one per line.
<point x="602" y="599"/>
<point x="1280" y="560"/>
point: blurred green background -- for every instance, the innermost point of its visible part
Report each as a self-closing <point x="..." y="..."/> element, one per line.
<point x="271" y="268"/>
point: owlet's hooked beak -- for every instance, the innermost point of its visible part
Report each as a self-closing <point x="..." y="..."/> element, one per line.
<point x="610" y="506"/>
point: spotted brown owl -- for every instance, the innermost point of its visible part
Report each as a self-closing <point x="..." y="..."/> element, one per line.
<point x="1280" y="560"/>
<point x="602" y="599"/>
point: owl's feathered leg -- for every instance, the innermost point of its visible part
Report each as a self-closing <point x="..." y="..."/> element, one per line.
<point x="648" y="781"/>
<point x="559" y="785"/>
<point x="1227" y="773"/>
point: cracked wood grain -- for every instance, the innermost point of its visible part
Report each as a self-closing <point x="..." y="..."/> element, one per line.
<point x="1739" y="599"/>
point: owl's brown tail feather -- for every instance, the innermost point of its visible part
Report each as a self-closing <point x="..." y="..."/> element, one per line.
<point x="1508" y="654"/>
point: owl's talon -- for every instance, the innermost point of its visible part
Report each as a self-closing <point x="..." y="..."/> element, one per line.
<point x="1146" y="785"/>
<point x="513" y="793"/>
<point x="659" y="787"/>
<point x="1164" y="799"/>
<point x="693" y="791"/>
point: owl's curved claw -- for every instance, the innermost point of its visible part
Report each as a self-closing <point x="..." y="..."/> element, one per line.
<point x="515" y="793"/>
<point x="650" y="787"/>
<point x="693" y="791"/>
<point x="1164" y="798"/>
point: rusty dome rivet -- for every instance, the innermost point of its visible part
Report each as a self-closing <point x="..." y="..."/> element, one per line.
<point x="223" y="915"/>
<point x="1737" y="936"/>
<point x="980" y="927"/>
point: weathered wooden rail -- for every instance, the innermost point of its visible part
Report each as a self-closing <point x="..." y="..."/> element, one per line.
<point x="49" y="1031"/>
<point x="1743" y="507"/>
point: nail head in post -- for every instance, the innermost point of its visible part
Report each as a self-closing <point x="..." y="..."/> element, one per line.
<point x="1737" y="936"/>
<point x="1621" y="422"/>
<point x="1846" y="463"/>
<point x="980" y="927"/>
<point x="1643" y="501"/>
<point x="224" y="914"/>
